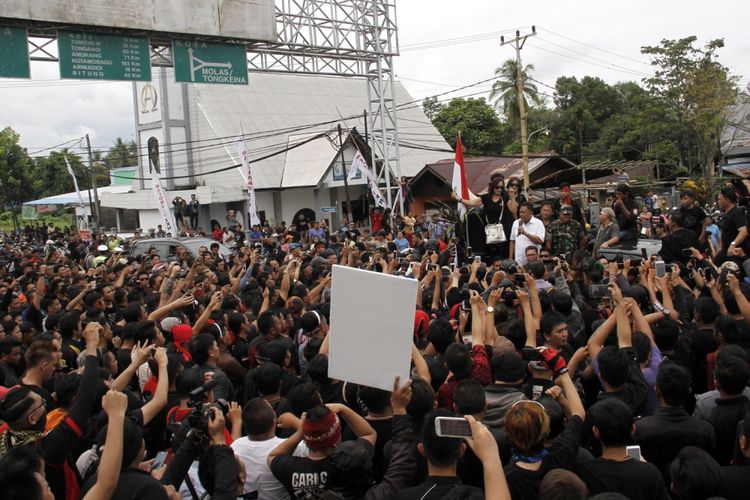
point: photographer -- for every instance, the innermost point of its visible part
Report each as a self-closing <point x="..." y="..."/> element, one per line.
<point x="676" y="246"/>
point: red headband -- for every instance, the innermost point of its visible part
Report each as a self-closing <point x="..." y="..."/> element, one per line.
<point x="323" y="433"/>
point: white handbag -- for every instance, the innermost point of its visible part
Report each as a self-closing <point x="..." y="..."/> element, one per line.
<point x="495" y="233"/>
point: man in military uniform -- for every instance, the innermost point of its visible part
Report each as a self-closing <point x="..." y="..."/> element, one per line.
<point x="565" y="236"/>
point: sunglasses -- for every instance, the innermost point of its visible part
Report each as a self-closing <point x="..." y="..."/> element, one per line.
<point x="513" y="185"/>
<point x="499" y="186"/>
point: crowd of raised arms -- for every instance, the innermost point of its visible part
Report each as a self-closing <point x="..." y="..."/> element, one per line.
<point x="205" y="375"/>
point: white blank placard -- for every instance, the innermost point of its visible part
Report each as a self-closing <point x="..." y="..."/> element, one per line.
<point x="372" y="326"/>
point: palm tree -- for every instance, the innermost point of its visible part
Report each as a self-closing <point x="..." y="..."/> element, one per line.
<point x="122" y="154"/>
<point x="505" y="90"/>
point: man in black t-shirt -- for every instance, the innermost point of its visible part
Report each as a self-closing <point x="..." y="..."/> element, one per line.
<point x="694" y="217"/>
<point x="626" y="213"/>
<point x="615" y="471"/>
<point x="321" y="430"/>
<point x="442" y="454"/>
<point x="733" y="225"/>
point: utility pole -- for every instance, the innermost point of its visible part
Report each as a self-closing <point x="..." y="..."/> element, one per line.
<point x="346" y="181"/>
<point x="518" y="43"/>
<point x="97" y="217"/>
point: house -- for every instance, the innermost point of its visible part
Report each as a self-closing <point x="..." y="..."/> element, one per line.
<point x="433" y="182"/>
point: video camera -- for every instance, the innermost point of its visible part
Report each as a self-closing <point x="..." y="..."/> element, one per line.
<point x="199" y="415"/>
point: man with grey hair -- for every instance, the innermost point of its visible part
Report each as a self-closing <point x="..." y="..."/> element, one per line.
<point x="609" y="232"/>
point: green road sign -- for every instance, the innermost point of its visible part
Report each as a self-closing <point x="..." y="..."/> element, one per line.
<point x="204" y="62"/>
<point x="94" y="56"/>
<point x="14" y="53"/>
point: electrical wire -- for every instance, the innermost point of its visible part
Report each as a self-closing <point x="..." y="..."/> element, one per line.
<point x="224" y="169"/>
<point x="594" y="47"/>
<point x="624" y="68"/>
<point x="583" y="60"/>
<point x="79" y="139"/>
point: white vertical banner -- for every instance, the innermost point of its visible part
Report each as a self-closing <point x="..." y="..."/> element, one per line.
<point x="359" y="164"/>
<point x="167" y="218"/>
<point x="75" y="184"/>
<point x="251" y="206"/>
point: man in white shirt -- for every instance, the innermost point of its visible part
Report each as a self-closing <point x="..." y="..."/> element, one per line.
<point x="527" y="231"/>
<point x="259" y="423"/>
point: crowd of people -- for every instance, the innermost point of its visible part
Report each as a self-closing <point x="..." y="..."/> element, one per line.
<point x="564" y="375"/>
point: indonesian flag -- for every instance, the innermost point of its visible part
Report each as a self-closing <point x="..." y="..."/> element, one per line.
<point x="459" y="185"/>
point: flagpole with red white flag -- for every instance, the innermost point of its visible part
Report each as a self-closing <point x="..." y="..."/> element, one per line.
<point x="460" y="185"/>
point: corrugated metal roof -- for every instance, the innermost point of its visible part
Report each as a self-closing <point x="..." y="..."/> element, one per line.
<point x="278" y="101"/>
<point x="480" y="169"/>
<point x="72" y="198"/>
<point x="306" y="164"/>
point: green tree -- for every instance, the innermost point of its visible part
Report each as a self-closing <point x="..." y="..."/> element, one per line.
<point x="505" y="91"/>
<point x="17" y="181"/>
<point x="431" y="107"/>
<point x="122" y="154"/>
<point x="541" y="133"/>
<point x="696" y="90"/>
<point x="482" y="132"/>
<point x="53" y="172"/>
<point x="582" y="109"/>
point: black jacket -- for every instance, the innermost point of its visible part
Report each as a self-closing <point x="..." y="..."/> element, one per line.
<point x="663" y="435"/>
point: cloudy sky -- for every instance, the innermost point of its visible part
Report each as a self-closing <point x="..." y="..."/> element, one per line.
<point x="575" y="38"/>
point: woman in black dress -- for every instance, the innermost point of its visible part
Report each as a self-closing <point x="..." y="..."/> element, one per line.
<point x="493" y="203"/>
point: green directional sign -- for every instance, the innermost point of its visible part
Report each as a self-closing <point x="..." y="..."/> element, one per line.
<point x="197" y="61"/>
<point x="94" y="56"/>
<point x="14" y="53"/>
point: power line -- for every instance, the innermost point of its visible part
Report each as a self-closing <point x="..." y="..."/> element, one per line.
<point x="79" y="139"/>
<point x="454" y="41"/>
<point x="585" y="61"/>
<point x="276" y="153"/>
<point x="592" y="57"/>
<point x="596" y="48"/>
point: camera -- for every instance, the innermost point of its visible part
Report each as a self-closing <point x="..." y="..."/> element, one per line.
<point x="201" y="411"/>
<point x="687" y="252"/>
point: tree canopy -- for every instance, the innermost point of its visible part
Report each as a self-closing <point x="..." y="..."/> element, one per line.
<point x="482" y="132"/>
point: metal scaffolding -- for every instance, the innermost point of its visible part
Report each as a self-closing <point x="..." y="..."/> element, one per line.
<point x="347" y="38"/>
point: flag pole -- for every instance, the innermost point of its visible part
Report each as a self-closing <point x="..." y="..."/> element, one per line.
<point x="247" y="218"/>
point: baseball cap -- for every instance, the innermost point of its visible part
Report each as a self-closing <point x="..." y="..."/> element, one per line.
<point x="294" y="246"/>
<point x="102" y="248"/>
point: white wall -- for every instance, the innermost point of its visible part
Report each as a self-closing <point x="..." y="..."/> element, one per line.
<point x="294" y="200"/>
<point x="149" y="219"/>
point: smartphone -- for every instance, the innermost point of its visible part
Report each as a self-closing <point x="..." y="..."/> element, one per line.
<point x="452" y="266"/>
<point x="634" y="452"/>
<point x="618" y="257"/>
<point x="520" y="279"/>
<point x="477" y="259"/>
<point x="687" y="252"/>
<point x="661" y="269"/>
<point x="159" y="460"/>
<point x="644" y="254"/>
<point x="466" y="305"/>
<point x="452" y="427"/>
<point x="598" y="291"/>
<point x="431" y="267"/>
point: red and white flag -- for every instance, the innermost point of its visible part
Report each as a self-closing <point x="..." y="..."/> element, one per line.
<point x="460" y="185"/>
